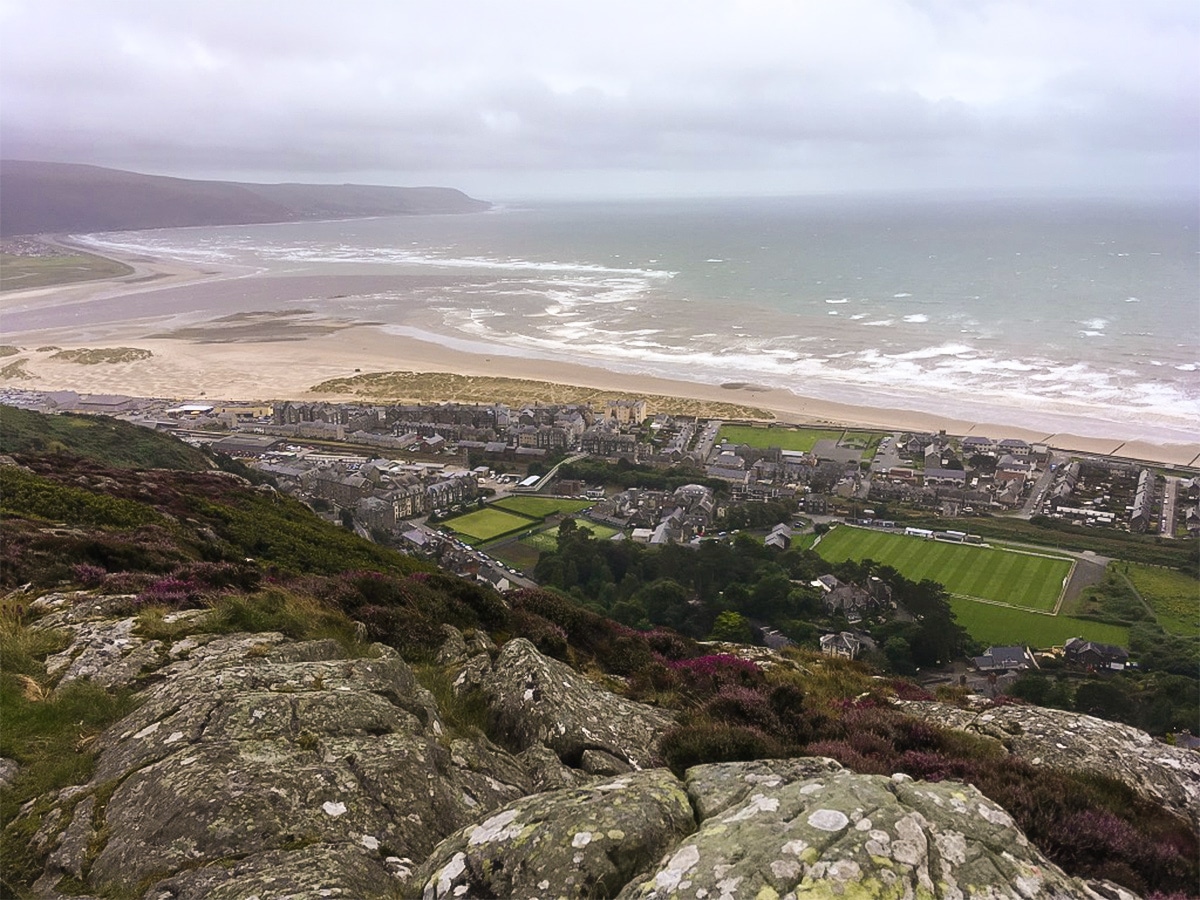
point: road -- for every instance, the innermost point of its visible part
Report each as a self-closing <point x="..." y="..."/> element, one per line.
<point x="1170" y="491"/>
<point x="1029" y="507"/>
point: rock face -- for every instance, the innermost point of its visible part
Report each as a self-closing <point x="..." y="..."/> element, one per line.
<point x="766" y="829"/>
<point x="1162" y="774"/>
<point x="581" y="842"/>
<point x="310" y="769"/>
<point x="536" y="701"/>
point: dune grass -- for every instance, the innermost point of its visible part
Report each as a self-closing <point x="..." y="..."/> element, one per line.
<point x="24" y="272"/>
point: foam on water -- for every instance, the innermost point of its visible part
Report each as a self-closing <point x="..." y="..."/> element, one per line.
<point x="1013" y="334"/>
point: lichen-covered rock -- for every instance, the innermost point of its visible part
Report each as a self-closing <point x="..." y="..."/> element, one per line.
<point x="453" y="649"/>
<point x="538" y="700"/>
<point x="8" y="771"/>
<point x="1165" y="775"/>
<point x="547" y="772"/>
<point x="252" y="747"/>
<point x="103" y="649"/>
<point x="322" y="870"/>
<point x="573" y="843"/>
<point x="773" y="830"/>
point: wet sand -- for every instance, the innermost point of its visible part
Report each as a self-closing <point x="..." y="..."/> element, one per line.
<point x="282" y="353"/>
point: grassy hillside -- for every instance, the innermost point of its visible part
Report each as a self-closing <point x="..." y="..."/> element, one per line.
<point x="99" y="438"/>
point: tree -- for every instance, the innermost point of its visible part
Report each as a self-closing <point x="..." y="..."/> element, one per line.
<point x="1103" y="699"/>
<point x="899" y="655"/>
<point x="732" y="627"/>
<point x="666" y="602"/>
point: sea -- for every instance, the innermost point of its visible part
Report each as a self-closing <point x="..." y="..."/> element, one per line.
<point x="1049" y="314"/>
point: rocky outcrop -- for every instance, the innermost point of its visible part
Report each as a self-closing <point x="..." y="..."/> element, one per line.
<point x="303" y="766"/>
<point x="103" y="647"/>
<point x="1165" y="775"/>
<point x="581" y="842"/>
<point x="767" y="829"/>
<point x="535" y="700"/>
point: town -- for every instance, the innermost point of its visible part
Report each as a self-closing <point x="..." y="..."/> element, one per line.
<point x="484" y="488"/>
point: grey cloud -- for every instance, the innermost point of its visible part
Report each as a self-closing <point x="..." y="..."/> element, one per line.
<point x="866" y="91"/>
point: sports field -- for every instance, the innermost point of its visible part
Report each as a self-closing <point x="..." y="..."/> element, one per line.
<point x="540" y="507"/>
<point x="523" y="554"/>
<point x="802" y="439"/>
<point x="999" y="625"/>
<point x="548" y="539"/>
<point x="1018" y="579"/>
<point x="488" y="523"/>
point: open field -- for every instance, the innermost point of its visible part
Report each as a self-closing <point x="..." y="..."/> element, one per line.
<point x="999" y="625"/>
<point x="1174" y="597"/>
<point x="487" y="524"/>
<point x="1031" y="582"/>
<point x="1055" y="535"/>
<point x="540" y="507"/>
<point x="801" y="439"/>
<point x="518" y="554"/>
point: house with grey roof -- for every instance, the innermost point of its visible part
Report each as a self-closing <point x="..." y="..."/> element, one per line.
<point x="1005" y="659"/>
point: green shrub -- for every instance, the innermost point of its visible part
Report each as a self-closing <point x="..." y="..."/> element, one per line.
<point x="712" y="742"/>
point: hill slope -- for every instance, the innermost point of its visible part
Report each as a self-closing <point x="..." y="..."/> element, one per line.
<point x="42" y="197"/>
<point x="99" y="438"/>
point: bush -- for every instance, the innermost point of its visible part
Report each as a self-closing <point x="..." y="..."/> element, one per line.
<point x="704" y="676"/>
<point x="712" y="742"/>
<point x="742" y="706"/>
<point x="548" y="637"/>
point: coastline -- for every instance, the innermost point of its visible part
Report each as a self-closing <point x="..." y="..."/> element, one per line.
<point x="231" y="358"/>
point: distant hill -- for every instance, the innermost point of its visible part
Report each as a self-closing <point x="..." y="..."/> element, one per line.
<point x="42" y="197"/>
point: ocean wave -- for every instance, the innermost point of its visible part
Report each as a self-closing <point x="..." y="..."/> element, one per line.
<point x="975" y="377"/>
<point x="916" y="318"/>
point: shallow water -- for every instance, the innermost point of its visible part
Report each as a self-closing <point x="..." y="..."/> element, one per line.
<point x="1027" y="312"/>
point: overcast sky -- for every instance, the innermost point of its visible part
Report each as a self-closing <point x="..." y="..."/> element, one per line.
<point x="511" y="99"/>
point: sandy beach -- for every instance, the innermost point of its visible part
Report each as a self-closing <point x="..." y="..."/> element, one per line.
<point x="282" y="354"/>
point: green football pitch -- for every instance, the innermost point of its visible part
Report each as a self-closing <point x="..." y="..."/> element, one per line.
<point x="1019" y="579"/>
<point x="485" y="524"/>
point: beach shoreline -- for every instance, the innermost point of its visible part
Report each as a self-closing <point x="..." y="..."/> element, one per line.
<point x="279" y="356"/>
